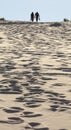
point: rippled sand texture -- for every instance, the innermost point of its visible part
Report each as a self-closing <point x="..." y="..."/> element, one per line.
<point x="35" y="76"/>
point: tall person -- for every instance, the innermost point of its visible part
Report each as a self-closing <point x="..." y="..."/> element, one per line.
<point x="32" y="16"/>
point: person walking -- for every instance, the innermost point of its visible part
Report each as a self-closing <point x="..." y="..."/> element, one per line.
<point x="32" y="16"/>
<point x="37" y="16"/>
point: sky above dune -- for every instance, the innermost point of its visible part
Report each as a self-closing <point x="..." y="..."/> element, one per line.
<point x="50" y="10"/>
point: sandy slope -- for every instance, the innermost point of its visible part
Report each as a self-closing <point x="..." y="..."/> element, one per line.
<point x="35" y="76"/>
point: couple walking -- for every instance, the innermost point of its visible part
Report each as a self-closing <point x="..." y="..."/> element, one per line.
<point x="36" y="16"/>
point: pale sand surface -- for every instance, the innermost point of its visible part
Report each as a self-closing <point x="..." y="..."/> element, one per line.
<point x="35" y="76"/>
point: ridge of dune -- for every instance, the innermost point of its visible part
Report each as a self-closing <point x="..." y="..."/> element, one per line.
<point x="35" y="75"/>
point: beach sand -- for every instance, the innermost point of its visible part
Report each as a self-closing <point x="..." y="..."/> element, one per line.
<point x="35" y="76"/>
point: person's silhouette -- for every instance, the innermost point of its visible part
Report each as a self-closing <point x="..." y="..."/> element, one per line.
<point x="37" y="16"/>
<point x="32" y="16"/>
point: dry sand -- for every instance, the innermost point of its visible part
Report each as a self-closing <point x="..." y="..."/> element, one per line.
<point x="35" y="76"/>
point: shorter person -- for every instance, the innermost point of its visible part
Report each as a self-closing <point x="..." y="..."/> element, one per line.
<point x="37" y="16"/>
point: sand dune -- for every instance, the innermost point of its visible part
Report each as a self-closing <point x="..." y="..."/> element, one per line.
<point x="35" y="76"/>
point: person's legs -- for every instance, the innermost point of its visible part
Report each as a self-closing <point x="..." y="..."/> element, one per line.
<point x="32" y="18"/>
<point x="36" y="19"/>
